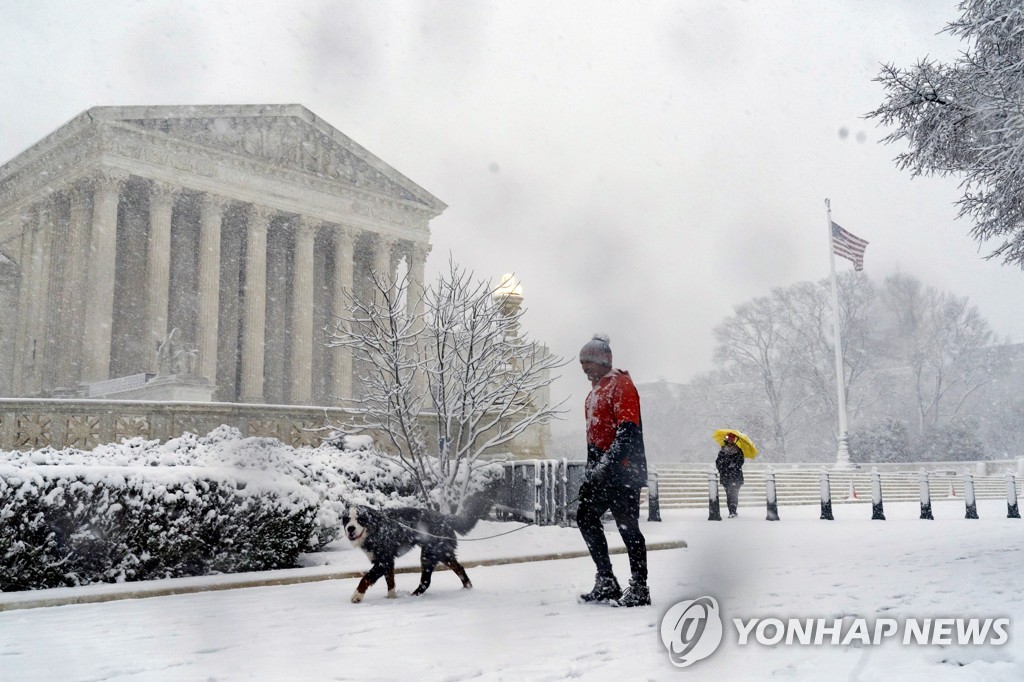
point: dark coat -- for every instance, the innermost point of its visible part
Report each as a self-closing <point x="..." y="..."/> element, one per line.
<point x="730" y="465"/>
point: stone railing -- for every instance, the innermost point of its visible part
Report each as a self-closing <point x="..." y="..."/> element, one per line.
<point x="31" y="424"/>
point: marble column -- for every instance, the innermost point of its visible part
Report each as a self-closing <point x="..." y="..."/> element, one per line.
<point x="77" y="244"/>
<point x="42" y="260"/>
<point x="211" y="213"/>
<point x="341" y="356"/>
<point x="417" y="269"/>
<point x="414" y="295"/>
<point x="22" y="343"/>
<point x="383" y="274"/>
<point x="158" y="267"/>
<point x="302" y="312"/>
<point x="255" y="302"/>
<point x="99" y="307"/>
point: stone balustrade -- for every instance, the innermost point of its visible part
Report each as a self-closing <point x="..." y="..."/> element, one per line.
<point x="27" y="424"/>
<point x="32" y="424"/>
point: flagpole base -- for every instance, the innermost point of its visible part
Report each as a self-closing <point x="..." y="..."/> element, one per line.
<point x="843" y="454"/>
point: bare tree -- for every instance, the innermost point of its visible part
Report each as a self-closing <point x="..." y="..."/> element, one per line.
<point x="753" y="342"/>
<point x="966" y="119"/>
<point x="807" y="318"/>
<point x="448" y="383"/>
<point x="943" y="341"/>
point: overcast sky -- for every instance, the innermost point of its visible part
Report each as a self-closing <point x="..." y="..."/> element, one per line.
<point x="642" y="167"/>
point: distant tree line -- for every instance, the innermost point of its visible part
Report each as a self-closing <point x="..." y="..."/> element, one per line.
<point x="923" y="376"/>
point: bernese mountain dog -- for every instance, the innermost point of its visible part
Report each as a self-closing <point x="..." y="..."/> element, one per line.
<point x="386" y="534"/>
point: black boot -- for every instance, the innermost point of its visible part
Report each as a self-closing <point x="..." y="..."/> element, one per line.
<point x="606" y="588"/>
<point x="637" y="594"/>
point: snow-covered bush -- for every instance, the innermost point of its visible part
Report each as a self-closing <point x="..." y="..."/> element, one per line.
<point x="340" y="471"/>
<point x="74" y="524"/>
<point x="194" y="505"/>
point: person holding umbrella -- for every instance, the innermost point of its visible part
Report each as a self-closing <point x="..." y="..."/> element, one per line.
<point x="616" y="470"/>
<point x="730" y="470"/>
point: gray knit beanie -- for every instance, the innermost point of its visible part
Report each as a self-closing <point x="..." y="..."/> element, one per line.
<point x="597" y="351"/>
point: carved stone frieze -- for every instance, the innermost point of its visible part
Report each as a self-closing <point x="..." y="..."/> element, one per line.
<point x="288" y="142"/>
<point x="188" y="157"/>
<point x="82" y="432"/>
<point x="84" y="424"/>
<point x="131" y="426"/>
<point x="33" y="431"/>
<point x="305" y="434"/>
<point x="71" y="156"/>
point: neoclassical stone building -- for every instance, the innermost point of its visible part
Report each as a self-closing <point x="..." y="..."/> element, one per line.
<point x="232" y="229"/>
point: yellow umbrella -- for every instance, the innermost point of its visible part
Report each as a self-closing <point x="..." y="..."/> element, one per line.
<point x="743" y="441"/>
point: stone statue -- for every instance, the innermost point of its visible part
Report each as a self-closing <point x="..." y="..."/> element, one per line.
<point x="185" y="361"/>
<point x="165" y="354"/>
<point x="173" y="359"/>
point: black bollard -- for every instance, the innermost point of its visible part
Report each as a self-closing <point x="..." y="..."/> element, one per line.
<point x="653" y="505"/>
<point x="969" y="501"/>
<point x="769" y="494"/>
<point x="826" y="496"/>
<point x="1012" y="512"/>
<point x="714" y="513"/>
<point x="926" y="497"/>
<point x="877" y="512"/>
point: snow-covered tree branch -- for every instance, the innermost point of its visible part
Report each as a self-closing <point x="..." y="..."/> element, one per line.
<point x="450" y="386"/>
<point x="967" y="119"/>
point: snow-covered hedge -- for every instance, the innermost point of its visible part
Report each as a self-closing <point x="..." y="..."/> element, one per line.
<point x="194" y="505"/>
<point x="75" y="525"/>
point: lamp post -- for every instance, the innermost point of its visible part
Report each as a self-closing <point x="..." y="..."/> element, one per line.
<point x="509" y="295"/>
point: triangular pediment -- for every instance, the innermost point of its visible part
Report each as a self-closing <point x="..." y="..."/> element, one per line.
<point x="288" y="136"/>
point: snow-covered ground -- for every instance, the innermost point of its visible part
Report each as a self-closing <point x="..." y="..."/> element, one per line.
<point x="523" y="622"/>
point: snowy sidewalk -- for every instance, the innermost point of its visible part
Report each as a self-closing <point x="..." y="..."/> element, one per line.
<point x="523" y="621"/>
<point x="487" y="545"/>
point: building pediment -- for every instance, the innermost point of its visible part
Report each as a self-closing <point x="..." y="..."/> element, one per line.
<point x="288" y="136"/>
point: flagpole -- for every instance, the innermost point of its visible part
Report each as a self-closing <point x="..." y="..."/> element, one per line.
<point x="843" y="453"/>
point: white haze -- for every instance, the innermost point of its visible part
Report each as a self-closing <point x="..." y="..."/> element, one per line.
<point x="642" y="167"/>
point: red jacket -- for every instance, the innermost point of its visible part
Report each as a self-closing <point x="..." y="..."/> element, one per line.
<point x="615" y="439"/>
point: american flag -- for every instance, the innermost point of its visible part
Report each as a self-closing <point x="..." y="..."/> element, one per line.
<point x="848" y="246"/>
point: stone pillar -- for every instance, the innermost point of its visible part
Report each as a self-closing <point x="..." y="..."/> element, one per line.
<point x="302" y="312"/>
<point x="414" y="304"/>
<point x="99" y="307"/>
<point x="382" y="267"/>
<point x="417" y="269"/>
<point x="341" y="357"/>
<point x="209" y="284"/>
<point x="77" y="244"/>
<point x="255" y="302"/>
<point x="22" y="343"/>
<point x="44" y="306"/>
<point x="42" y="260"/>
<point x="158" y="267"/>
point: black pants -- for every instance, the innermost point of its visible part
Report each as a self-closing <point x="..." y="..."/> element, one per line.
<point x="732" y="495"/>
<point x="624" y="504"/>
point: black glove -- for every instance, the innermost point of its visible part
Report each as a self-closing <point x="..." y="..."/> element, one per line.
<point x="598" y="475"/>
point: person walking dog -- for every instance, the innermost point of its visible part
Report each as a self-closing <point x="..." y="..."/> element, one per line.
<point x="616" y="470"/>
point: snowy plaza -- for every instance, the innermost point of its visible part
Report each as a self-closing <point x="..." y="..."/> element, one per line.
<point x="523" y="622"/>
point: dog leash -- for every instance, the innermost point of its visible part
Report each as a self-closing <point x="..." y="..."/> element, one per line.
<point x="446" y="537"/>
<point x="488" y="537"/>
